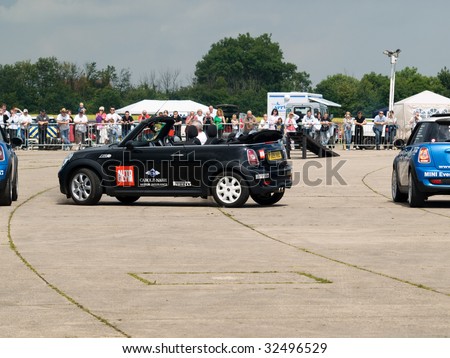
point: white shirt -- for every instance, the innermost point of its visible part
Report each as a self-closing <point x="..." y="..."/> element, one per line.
<point x="25" y="120"/>
<point x="14" y="121"/>
<point x="80" y="122"/>
<point x="202" y="137"/>
<point x="113" y="118"/>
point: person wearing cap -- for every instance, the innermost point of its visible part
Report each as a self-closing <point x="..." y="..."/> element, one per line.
<point x="25" y="122"/>
<point x="63" y="121"/>
<point x="42" y="120"/>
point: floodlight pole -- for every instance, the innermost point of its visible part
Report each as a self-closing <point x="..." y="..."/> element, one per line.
<point x="393" y="55"/>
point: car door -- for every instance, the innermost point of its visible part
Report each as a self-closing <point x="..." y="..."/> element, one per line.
<point x="162" y="169"/>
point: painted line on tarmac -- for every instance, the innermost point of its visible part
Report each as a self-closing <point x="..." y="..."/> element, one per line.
<point x="389" y="198"/>
<point x="307" y="251"/>
<point x="71" y="300"/>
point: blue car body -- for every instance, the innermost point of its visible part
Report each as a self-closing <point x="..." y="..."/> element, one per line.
<point x="8" y="170"/>
<point x="422" y="168"/>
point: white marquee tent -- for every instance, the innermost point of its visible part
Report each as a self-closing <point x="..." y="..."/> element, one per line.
<point x="427" y="102"/>
<point x="154" y="106"/>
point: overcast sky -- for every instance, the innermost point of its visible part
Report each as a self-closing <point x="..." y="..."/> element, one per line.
<point x="321" y="37"/>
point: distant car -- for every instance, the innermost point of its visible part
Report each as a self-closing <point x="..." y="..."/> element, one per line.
<point x="422" y="168"/>
<point x="9" y="178"/>
<point x="147" y="162"/>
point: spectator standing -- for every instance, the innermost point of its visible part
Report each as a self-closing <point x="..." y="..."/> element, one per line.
<point x="14" y="123"/>
<point x="263" y="123"/>
<point x="63" y="121"/>
<point x="100" y="118"/>
<point x="347" y="127"/>
<point x="42" y="120"/>
<point x="190" y="118"/>
<point x="5" y="115"/>
<point x="414" y="120"/>
<point x="309" y="123"/>
<point x="250" y="123"/>
<point x="273" y="118"/>
<point x="127" y="121"/>
<point x="177" y="125"/>
<point x="200" y="116"/>
<point x="325" y="126"/>
<point x="291" y="122"/>
<point x="279" y="125"/>
<point x="80" y="121"/>
<point x="391" y="129"/>
<point x="234" y="123"/>
<point x="208" y="120"/>
<point x="113" y="120"/>
<point x="219" y="121"/>
<point x="360" y="122"/>
<point x="378" y="123"/>
<point x="212" y="111"/>
<point x="25" y="122"/>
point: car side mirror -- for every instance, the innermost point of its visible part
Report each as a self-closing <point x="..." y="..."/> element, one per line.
<point x="129" y="145"/>
<point x="16" y="142"/>
<point x="399" y="143"/>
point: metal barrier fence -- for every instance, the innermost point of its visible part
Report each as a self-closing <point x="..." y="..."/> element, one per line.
<point x="94" y="134"/>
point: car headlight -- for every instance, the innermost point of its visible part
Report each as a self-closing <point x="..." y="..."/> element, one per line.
<point x="67" y="159"/>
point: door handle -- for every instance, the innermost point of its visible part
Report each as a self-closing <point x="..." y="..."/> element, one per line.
<point x="177" y="155"/>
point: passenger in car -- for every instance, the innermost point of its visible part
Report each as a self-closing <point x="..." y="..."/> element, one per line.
<point x="211" y="133"/>
<point x="191" y="135"/>
<point x="201" y="135"/>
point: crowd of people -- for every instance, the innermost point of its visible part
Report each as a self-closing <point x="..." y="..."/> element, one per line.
<point x="76" y="131"/>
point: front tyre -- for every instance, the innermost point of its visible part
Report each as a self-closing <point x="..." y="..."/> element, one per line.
<point x="267" y="199"/>
<point x="85" y="187"/>
<point x="416" y="199"/>
<point x="230" y="190"/>
<point x="15" y="188"/>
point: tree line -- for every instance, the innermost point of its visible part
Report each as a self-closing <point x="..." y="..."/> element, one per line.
<point x="236" y="71"/>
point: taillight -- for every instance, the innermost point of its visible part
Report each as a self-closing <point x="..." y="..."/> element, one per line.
<point x="2" y="155"/>
<point x="252" y="157"/>
<point x="424" y="155"/>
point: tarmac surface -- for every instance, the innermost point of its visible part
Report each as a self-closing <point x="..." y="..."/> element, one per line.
<point x="334" y="258"/>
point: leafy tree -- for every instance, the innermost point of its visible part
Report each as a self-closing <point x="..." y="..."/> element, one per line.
<point x="245" y="65"/>
<point x="341" y="89"/>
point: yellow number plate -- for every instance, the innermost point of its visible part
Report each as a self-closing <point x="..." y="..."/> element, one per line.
<point x="274" y="155"/>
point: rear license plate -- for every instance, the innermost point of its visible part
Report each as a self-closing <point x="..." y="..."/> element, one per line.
<point x="274" y="155"/>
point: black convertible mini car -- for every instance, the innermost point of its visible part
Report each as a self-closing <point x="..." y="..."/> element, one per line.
<point x="149" y="162"/>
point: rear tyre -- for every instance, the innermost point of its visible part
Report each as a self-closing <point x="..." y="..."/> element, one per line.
<point x="84" y="187"/>
<point x="6" y="194"/>
<point x="230" y="190"/>
<point x="416" y="199"/>
<point x="127" y="199"/>
<point x="15" y="188"/>
<point x="397" y="195"/>
<point x="267" y="199"/>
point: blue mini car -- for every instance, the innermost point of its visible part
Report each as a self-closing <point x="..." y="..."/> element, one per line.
<point x="422" y="168"/>
<point x="9" y="179"/>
